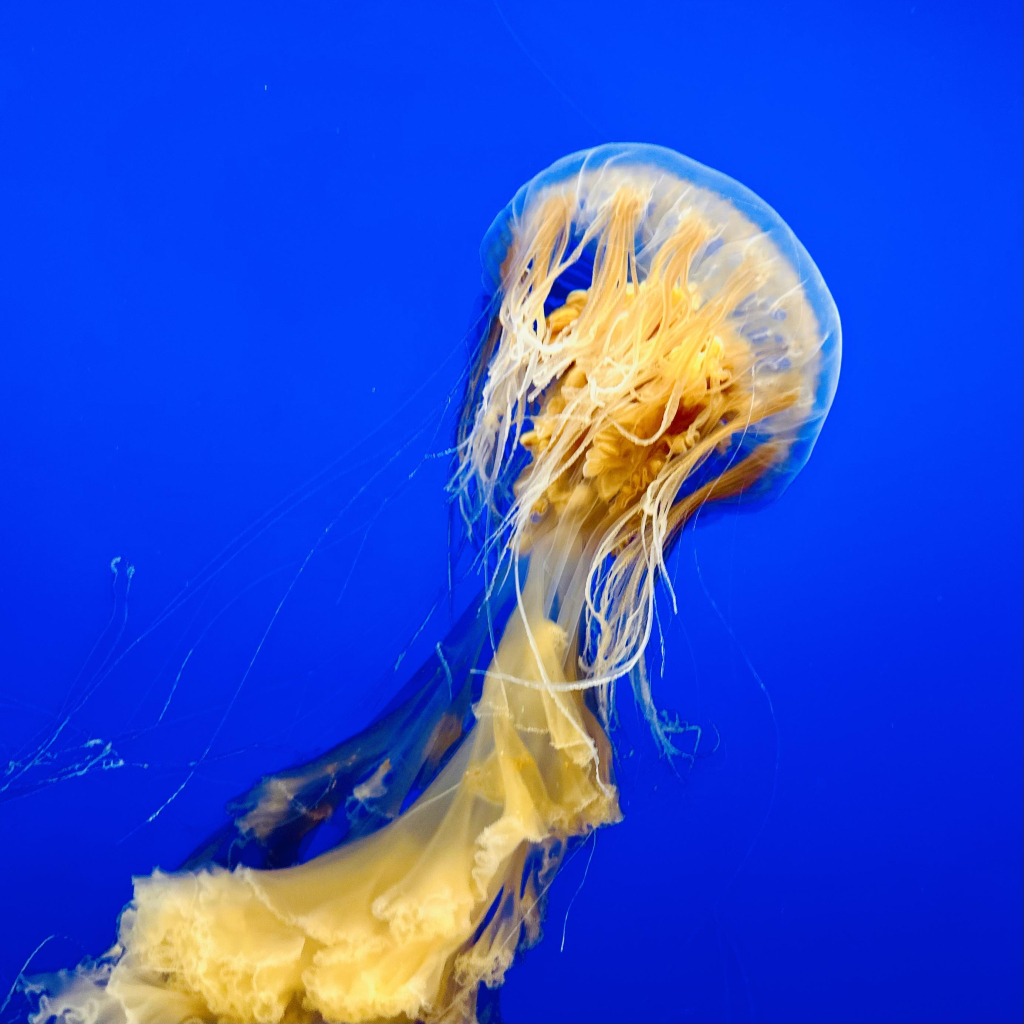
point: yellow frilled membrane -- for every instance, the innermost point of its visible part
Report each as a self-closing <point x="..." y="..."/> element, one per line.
<point x="389" y="927"/>
<point x="695" y="339"/>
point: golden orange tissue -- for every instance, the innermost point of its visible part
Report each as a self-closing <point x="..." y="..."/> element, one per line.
<point x="656" y="340"/>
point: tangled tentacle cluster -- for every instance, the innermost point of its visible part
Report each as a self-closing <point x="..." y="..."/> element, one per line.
<point x="624" y="391"/>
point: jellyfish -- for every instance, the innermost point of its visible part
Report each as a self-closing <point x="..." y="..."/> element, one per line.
<point x="655" y="342"/>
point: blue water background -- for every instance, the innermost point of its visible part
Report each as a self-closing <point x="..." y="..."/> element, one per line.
<point x="240" y="250"/>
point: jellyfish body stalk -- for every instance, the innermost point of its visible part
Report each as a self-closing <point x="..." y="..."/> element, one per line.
<point x="659" y="343"/>
<point x="410" y="920"/>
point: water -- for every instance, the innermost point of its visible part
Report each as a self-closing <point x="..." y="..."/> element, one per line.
<point x="241" y="256"/>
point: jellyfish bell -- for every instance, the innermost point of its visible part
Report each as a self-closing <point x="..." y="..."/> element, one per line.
<point x="690" y="227"/>
<point x="657" y="342"/>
